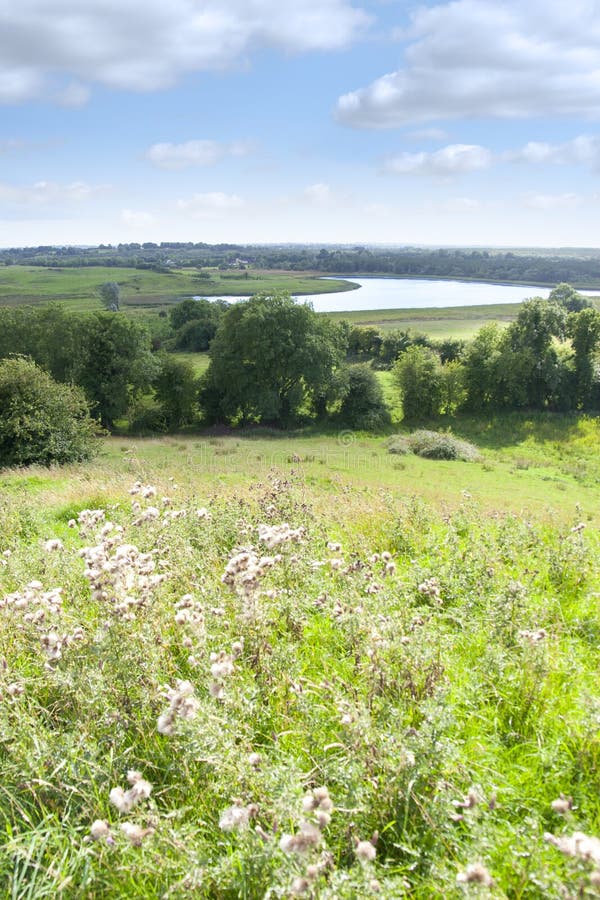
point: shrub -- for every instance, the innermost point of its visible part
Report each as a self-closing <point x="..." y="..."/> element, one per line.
<point x="363" y="405"/>
<point x="434" y="445"/>
<point x="41" y="421"/>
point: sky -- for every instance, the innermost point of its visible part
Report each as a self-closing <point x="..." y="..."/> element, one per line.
<point x="324" y="121"/>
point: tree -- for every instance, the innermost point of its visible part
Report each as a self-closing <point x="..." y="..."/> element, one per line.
<point x="418" y="375"/>
<point x="529" y="368"/>
<point x="41" y="421"/>
<point x="363" y="405"/>
<point x="113" y="363"/>
<point x="270" y="357"/>
<point x="110" y="294"/>
<point x="584" y="331"/>
<point x="567" y="297"/>
<point x="481" y="363"/>
<point x="176" y="389"/>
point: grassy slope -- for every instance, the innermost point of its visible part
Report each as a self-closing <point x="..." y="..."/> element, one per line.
<point x="459" y="322"/>
<point x="141" y="288"/>
<point x="397" y="701"/>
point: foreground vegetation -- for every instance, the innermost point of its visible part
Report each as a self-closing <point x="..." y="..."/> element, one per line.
<point x="303" y="666"/>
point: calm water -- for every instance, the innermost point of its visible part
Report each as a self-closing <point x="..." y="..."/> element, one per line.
<point x="413" y="293"/>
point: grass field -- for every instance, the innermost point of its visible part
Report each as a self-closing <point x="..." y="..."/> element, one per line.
<point x="394" y="694"/>
<point x="143" y="289"/>
<point x="456" y="321"/>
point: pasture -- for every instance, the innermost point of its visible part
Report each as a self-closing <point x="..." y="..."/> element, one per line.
<point x="143" y="289"/>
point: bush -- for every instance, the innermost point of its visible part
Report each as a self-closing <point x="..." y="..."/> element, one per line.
<point x="434" y="445"/>
<point x="363" y="406"/>
<point x="41" y="421"/>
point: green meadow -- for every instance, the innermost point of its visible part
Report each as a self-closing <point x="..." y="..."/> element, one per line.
<point x="450" y="322"/>
<point x="246" y="665"/>
<point x="77" y="287"/>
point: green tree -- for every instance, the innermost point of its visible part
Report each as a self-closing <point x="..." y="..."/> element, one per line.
<point x="567" y="297"/>
<point x="113" y="363"/>
<point x="176" y="390"/>
<point x="530" y="370"/>
<point x="584" y="331"/>
<point x="41" y="421"/>
<point x="418" y="375"/>
<point x="481" y="362"/>
<point x="363" y="405"/>
<point x="270" y="357"/>
<point x="453" y="391"/>
<point x="110" y="294"/>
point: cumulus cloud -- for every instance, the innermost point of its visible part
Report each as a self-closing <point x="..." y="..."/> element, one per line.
<point x="583" y="151"/>
<point x="481" y="58"/>
<point x="146" y="45"/>
<point x="194" y="153"/>
<point x="47" y="192"/>
<point x="455" y="159"/>
<point x="210" y="203"/>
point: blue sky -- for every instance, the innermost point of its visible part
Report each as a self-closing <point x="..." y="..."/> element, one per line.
<point x="468" y="122"/>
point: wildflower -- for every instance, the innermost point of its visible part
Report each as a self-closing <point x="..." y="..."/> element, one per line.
<point x="475" y="873"/>
<point x="579" y="844"/>
<point x="308" y="836"/>
<point x="99" y="830"/>
<point x="237" y="816"/>
<point x="470" y="801"/>
<point x="182" y="704"/>
<point x="255" y="760"/>
<point x="53" y="545"/>
<point x="203" y="513"/>
<point x="431" y="588"/>
<point x="135" y="833"/>
<point x="562" y="804"/>
<point x="334" y="547"/>
<point x="126" y="800"/>
<point x="533" y="637"/>
<point x="15" y="689"/>
<point x="273" y="535"/>
<point x="216" y="690"/>
<point x="222" y="664"/>
<point x="299" y="886"/>
<point x="365" y="851"/>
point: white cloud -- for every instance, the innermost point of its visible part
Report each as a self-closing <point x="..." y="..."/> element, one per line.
<point x="455" y="159"/>
<point x="137" y="219"/>
<point x="194" y="153"/>
<point x="143" y="45"/>
<point x="481" y="58"/>
<point x="210" y="203"/>
<point x="552" y="201"/>
<point x="46" y="192"/>
<point x="583" y="150"/>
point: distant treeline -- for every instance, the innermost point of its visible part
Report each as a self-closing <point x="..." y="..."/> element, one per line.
<point x="581" y="268"/>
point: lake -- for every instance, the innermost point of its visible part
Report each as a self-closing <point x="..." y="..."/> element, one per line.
<point x="417" y="293"/>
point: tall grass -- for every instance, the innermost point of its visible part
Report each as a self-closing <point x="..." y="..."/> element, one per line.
<point x="309" y="704"/>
